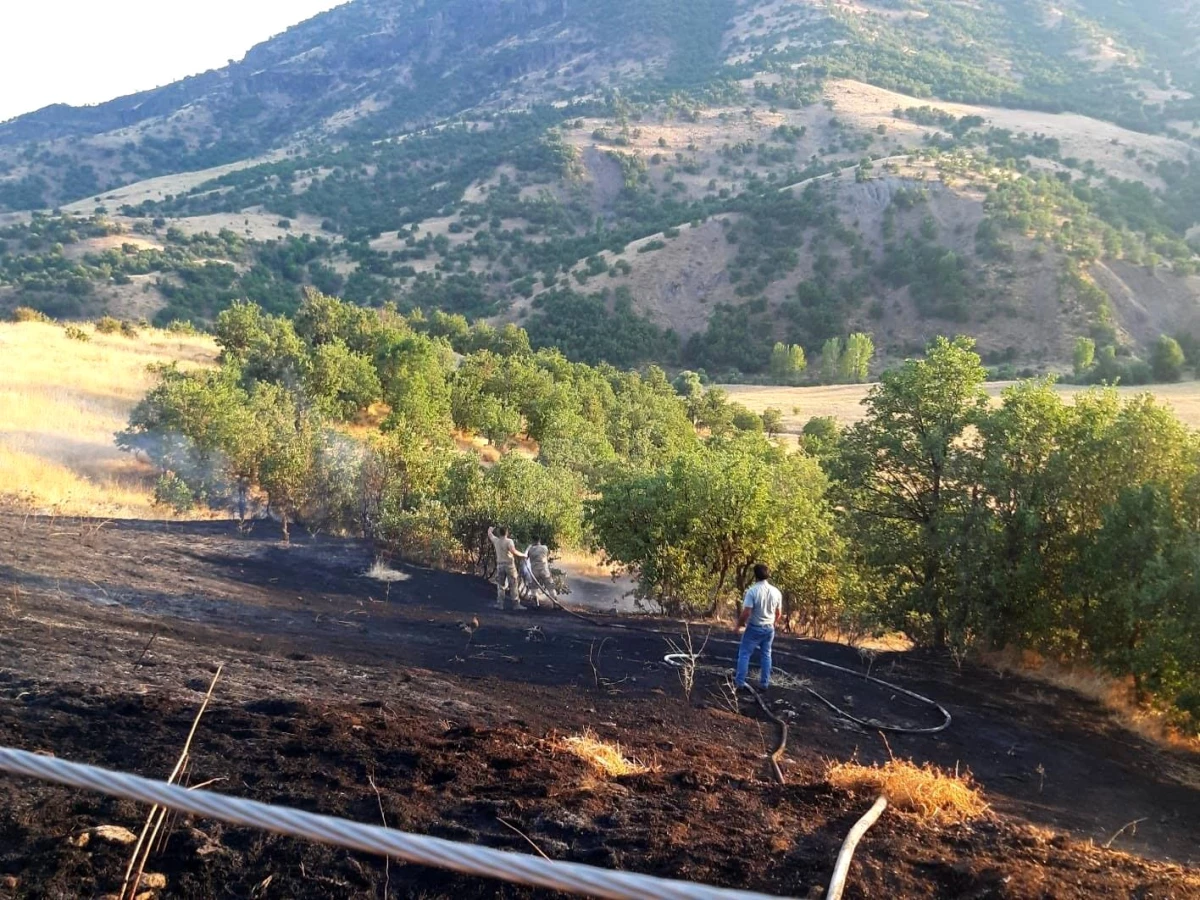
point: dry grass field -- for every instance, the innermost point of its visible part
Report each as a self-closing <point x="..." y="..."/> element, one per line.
<point x="844" y="401"/>
<point x="61" y="402"/>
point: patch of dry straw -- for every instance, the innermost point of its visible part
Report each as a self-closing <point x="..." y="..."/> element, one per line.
<point x="930" y="792"/>
<point x="605" y="758"/>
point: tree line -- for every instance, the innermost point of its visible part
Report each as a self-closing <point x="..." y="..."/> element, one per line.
<point x="1069" y="529"/>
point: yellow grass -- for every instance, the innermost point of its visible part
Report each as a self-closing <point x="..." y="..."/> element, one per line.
<point x="926" y="790"/>
<point x="61" y="402"/>
<point x="582" y="564"/>
<point x="607" y="759"/>
<point x="844" y="401"/>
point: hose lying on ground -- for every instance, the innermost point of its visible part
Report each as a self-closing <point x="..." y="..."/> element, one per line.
<point x="674" y="659"/>
<point x="777" y="753"/>
<point x="838" y="882"/>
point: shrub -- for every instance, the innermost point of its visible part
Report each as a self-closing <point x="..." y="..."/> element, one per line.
<point x="171" y="490"/>
<point x="28" y="314"/>
<point x="423" y="535"/>
<point x="108" y="325"/>
<point x="75" y="333"/>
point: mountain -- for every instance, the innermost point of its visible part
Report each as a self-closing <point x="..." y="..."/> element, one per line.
<point x="683" y="182"/>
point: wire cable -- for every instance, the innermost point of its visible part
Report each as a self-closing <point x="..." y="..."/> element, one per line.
<point x="468" y="859"/>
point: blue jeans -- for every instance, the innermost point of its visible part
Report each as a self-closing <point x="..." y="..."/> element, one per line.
<point x="755" y="637"/>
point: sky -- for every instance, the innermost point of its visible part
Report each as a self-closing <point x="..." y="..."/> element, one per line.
<point x="84" y="51"/>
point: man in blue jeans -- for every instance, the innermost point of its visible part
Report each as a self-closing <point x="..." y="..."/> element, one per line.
<point x="761" y="610"/>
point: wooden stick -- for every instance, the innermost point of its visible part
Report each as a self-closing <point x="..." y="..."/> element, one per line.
<point x="145" y="650"/>
<point x="512" y="827"/>
<point x="169" y="818"/>
<point x="1121" y="831"/>
<point x="838" y="883"/>
<point x="137" y="850"/>
<point x="387" y="860"/>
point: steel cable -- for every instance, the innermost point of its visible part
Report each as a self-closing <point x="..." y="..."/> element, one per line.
<point x="468" y="859"/>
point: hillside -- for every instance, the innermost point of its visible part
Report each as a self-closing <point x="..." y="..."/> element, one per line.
<point x="609" y="176"/>
<point x="62" y="399"/>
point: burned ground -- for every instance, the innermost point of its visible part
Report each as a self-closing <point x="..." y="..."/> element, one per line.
<point x="332" y="680"/>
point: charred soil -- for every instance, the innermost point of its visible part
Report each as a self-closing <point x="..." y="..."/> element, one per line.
<point x="333" y="680"/>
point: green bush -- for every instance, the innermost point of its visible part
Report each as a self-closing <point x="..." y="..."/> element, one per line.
<point x="171" y="490"/>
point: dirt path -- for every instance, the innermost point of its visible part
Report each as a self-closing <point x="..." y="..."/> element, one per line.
<point x="331" y="677"/>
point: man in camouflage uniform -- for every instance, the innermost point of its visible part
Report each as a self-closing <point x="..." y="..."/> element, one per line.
<point x="507" y="555"/>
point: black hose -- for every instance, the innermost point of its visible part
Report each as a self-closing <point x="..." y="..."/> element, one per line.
<point x="865" y="723"/>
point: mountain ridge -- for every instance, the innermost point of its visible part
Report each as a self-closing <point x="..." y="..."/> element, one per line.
<point x="492" y="158"/>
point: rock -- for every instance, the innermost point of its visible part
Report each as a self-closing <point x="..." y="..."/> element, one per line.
<point x="114" y="834"/>
<point x="155" y="881"/>
<point x="9" y="883"/>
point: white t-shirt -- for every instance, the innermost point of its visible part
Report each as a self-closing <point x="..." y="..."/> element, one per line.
<point x="766" y="601"/>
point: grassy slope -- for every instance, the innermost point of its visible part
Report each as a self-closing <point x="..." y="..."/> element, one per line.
<point x="62" y="400"/>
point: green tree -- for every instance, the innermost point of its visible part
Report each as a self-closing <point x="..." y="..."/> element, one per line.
<point x="531" y="499"/>
<point x="820" y="436"/>
<point x="787" y="363"/>
<point x="745" y="419"/>
<point x="831" y="355"/>
<point x="342" y="383"/>
<point x="690" y="387"/>
<point x="1167" y="360"/>
<point x="715" y="412"/>
<point x="906" y="475"/>
<point x="772" y="421"/>
<point x="282" y="446"/>
<point x="1084" y="356"/>
<point x="855" y="362"/>
<point x="692" y="532"/>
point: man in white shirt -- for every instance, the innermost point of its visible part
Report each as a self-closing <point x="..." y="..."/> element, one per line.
<point x="762" y="608"/>
<point x="507" y="555"/>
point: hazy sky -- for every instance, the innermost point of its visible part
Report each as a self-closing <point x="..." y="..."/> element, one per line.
<point x="89" y="51"/>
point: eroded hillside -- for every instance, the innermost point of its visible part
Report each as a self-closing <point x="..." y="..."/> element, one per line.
<point x="646" y="183"/>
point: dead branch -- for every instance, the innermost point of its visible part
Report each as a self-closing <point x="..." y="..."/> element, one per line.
<point x="145" y="650"/>
<point x="387" y="860"/>
<point x="529" y="841"/>
<point x="1134" y="824"/>
<point x="155" y="818"/>
<point x="594" y="654"/>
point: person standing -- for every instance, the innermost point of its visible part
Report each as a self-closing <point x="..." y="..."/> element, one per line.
<point x="507" y="555"/>
<point x="539" y="560"/>
<point x="762" y="608"/>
